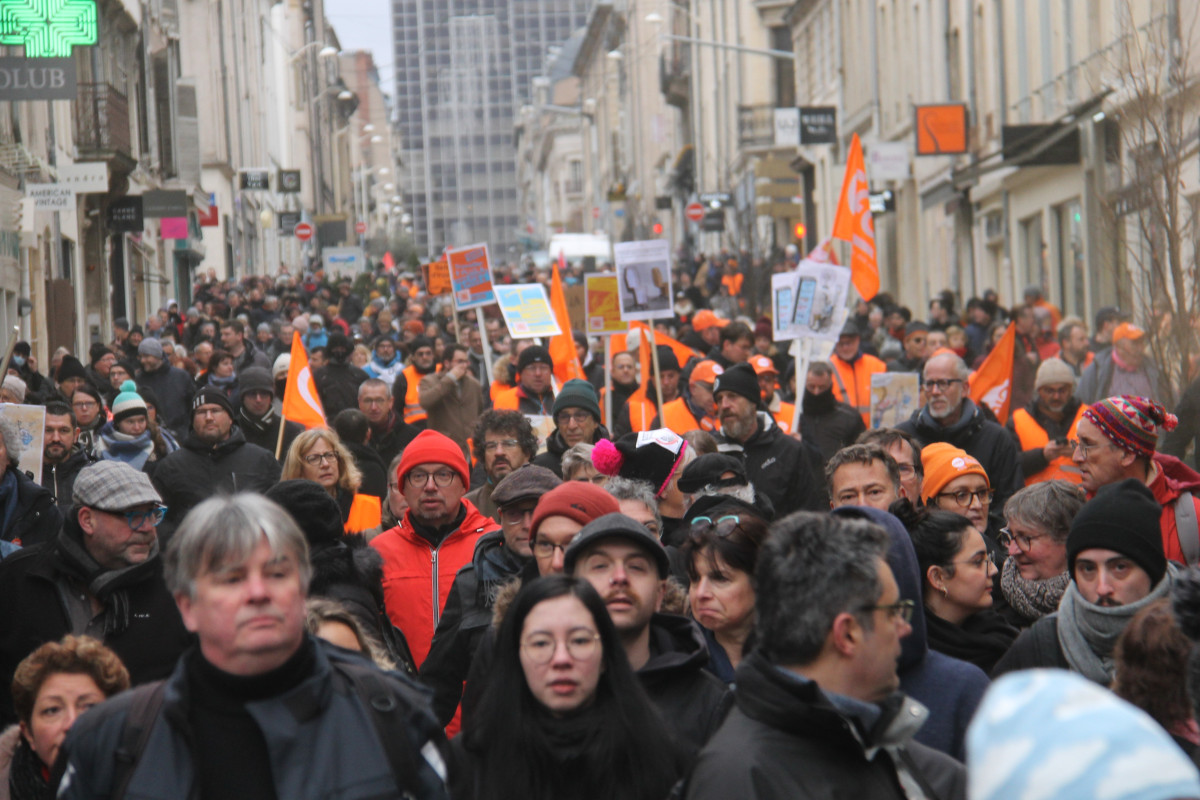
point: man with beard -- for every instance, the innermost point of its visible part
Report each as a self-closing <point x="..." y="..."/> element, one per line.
<point x="916" y="335"/>
<point x="61" y="459"/>
<point x="628" y="568"/>
<point x="824" y="421"/>
<point x="389" y="432"/>
<point x="1117" y="568"/>
<point x="1046" y="426"/>
<point x="1073" y="345"/>
<point x="386" y="363"/>
<point x="338" y="381"/>
<point x="785" y="470"/>
<point x="576" y="417"/>
<point x="951" y="416"/>
<point x="214" y="457"/>
<point x="256" y="414"/>
<point x="504" y="441"/>
<point x="422" y="362"/>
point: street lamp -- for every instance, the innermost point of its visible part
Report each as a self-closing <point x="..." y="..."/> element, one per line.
<point x="326" y="51"/>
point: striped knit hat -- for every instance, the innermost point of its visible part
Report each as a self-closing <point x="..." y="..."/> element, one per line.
<point x="128" y="403"/>
<point x="1131" y="423"/>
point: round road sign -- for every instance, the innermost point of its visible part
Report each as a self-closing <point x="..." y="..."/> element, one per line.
<point x="360" y="227"/>
<point x="694" y="212"/>
<point x="303" y="231"/>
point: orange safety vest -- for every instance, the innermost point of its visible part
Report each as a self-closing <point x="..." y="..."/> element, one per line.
<point x="733" y="283"/>
<point x="676" y="416"/>
<point x="784" y="416"/>
<point x="506" y="399"/>
<point x="366" y="512"/>
<point x="641" y="414"/>
<point x="852" y="382"/>
<point x="1034" y="437"/>
<point x="412" y="398"/>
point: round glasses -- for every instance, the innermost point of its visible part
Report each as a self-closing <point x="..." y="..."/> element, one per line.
<point x="964" y="496"/>
<point x="1024" y="543"/>
<point x="419" y="478"/>
<point x="581" y="645"/>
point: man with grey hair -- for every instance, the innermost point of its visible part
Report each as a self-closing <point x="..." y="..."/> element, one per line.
<point x="100" y="576"/>
<point x="260" y="707"/>
<point x="817" y="701"/>
<point x="951" y="416"/>
<point x="390" y="434"/>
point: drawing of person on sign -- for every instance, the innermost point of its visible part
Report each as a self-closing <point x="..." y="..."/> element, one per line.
<point x="644" y="280"/>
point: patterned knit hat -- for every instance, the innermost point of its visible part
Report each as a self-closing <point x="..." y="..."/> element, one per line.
<point x="651" y="456"/>
<point x="128" y="403"/>
<point x="1131" y="423"/>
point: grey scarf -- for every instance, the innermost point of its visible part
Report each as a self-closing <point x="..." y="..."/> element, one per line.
<point x="1087" y="632"/>
<point x="1032" y="599"/>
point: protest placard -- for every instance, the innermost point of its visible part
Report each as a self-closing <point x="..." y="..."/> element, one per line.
<point x="644" y="279"/>
<point x="526" y="310"/>
<point x="470" y="276"/>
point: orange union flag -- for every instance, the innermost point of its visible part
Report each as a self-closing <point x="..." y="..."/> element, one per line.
<point x="300" y="401"/>
<point x="991" y="385"/>
<point x="853" y="224"/>
<point x="562" y="347"/>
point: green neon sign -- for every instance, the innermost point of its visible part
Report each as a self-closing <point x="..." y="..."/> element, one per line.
<point x="48" y="28"/>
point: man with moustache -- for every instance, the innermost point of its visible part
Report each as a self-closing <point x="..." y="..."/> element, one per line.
<point x="503" y="441"/>
<point x="61" y="459"/>
<point x="628" y="567"/>
<point x="1117" y="568"/>
<point x="1046" y="427"/>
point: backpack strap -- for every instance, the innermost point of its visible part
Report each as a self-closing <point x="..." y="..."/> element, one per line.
<point x="144" y="707"/>
<point x="1187" y="528"/>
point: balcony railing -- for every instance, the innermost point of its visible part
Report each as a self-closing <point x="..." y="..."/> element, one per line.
<point x="756" y="126"/>
<point x="102" y="122"/>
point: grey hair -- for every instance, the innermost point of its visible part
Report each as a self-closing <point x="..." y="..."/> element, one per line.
<point x="813" y="567"/>
<point x="225" y="530"/>
<point x="960" y="367"/>
<point x="576" y="457"/>
<point x="641" y="491"/>
<point x="373" y="383"/>
<point x="1049" y="506"/>
<point x="742" y="491"/>
<point x="11" y="434"/>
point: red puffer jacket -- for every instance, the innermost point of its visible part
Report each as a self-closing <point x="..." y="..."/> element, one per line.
<point x="1173" y="479"/>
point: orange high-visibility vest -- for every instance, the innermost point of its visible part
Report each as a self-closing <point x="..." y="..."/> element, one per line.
<point x="641" y="414"/>
<point x="1034" y="436"/>
<point x="366" y="512"/>
<point x="412" y="398"/>
<point x="506" y="399"/>
<point x="676" y="416"/>
<point x="784" y="416"/>
<point x="852" y="382"/>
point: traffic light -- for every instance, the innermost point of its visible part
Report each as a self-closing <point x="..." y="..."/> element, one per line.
<point x="798" y="231"/>
<point x="657" y="228"/>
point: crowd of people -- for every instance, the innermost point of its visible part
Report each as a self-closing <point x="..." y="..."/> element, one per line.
<point x="476" y="581"/>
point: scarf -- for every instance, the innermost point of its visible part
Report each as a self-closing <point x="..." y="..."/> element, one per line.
<point x="1087" y="632"/>
<point x="8" y="499"/>
<point x="261" y="424"/>
<point x="109" y="586"/>
<point x="818" y="404"/>
<point x="1031" y="599"/>
<point x="569" y="736"/>
<point x="224" y="384"/>
<point x="981" y="639"/>
<point x="132" y="450"/>
<point x="27" y="779"/>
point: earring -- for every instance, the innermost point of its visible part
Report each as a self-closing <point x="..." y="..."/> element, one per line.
<point x="945" y="593"/>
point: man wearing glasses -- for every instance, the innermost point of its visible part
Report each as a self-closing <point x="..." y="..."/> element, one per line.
<point x="951" y="416"/>
<point x="434" y="540"/>
<point x="818" y="699"/>
<point x="100" y="577"/>
<point x="576" y="421"/>
<point x="504" y="441"/>
<point x="1046" y="427"/>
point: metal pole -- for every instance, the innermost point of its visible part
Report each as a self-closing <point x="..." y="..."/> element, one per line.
<point x="608" y="378"/>
<point x="487" y="348"/>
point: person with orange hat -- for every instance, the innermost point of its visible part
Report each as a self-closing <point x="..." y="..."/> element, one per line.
<point x="768" y="383"/>
<point x="435" y="538"/>
<point x="707" y="326"/>
<point x="1125" y="369"/>
<point x="696" y="409"/>
<point x="955" y="481"/>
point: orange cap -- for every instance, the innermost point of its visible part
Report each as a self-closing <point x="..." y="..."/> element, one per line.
<point x="943" y="463"/>
<point x="1127" y="330"/>
<point x="706" y="371"/>
<point x="762" y="365"/>
<point x="706" y="319"/>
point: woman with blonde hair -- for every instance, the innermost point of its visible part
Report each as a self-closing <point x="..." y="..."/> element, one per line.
<point x="318" y="455"/>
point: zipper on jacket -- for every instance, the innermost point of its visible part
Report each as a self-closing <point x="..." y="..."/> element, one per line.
<point x="437" y="610"/>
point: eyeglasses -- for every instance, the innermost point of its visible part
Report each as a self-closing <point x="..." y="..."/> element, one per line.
<point x="964" y="496"/>
<point x="419" y="478"/>
<point x="515" y="516"/>
<point x="84" y="404"/>
<point x="941" y="384"/>
<point x="580" y="647"/>
<point x="1087" y="447"/>
<point x="1024" y="543"/>
<point x="543" y="548"/>
<point x="313" y="459"/>
<point x="906" y="469"/>
<point x="507" y="444"/>
<point x="977" y="561"/>
<point x="902" y="609"/>
<point x="578" y="417"/>
<point x="723" y="527"/>
<point x="137" y="519"/>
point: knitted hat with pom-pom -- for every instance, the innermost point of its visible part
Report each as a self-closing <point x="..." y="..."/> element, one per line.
<point x="651" y="456"/>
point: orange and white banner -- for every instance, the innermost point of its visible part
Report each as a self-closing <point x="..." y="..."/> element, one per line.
<point x="853" y="223"/>
<point x="562" y="347"/>
<point x="300" y="401"/>
<point x="991" y="385"/>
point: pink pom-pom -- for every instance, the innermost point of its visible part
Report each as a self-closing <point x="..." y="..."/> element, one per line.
<point x="607" y="458"/>
<point x="1170" y="422"/>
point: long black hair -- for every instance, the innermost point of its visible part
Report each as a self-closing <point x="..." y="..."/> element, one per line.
<point x="937" y="535"/>
<point x="627" y="750"/>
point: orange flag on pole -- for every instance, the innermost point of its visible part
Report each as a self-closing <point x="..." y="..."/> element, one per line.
<point x="562" y="347"/>
<point x="644" y="362"/>
<point x="991" y="385"/>
<point x="300" y="401"/>
<point x="853" y="224"/>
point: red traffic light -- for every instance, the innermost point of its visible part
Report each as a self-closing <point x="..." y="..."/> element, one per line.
<point x="657" y="228"/>
<point x="798" y="230"/>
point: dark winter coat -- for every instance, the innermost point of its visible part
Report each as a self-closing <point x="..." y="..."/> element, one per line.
<point x="390" y="441"/>
<point x="788" y="472"/>
<point x="174" y="389"/>
<point x="1035" y="648"/>
<point x="264" y="432"/>
<point x="374" y="471"/>
<point x="785" y="739"/>
<point x="1095" y="383"/>
<point x="35" y="518"/>
<point x="337" y="384"/>
<point x="835" y="426"/>
<point x="555" y="447"/>
<point x="59" y="479"/>
<point x="197" y="471"/>
<point x="1187" y="433"/>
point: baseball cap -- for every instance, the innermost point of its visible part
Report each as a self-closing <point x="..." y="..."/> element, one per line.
<point x="705" y="319"/>
<point x="763" y="364"/>
<point x="706" y="371"/>
<point x="1127" y="330"/>
<point x="616" y="526"/>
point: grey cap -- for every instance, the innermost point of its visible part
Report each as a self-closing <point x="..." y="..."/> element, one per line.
<point x="622" y="527"/>
<point x="113" y="486"/>
<point x="256" y="379"/>
<point x="150" y="347"/>
<point x="525" y="483"/>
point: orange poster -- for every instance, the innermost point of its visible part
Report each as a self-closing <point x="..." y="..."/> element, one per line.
<point x="603" y="308"/>
<point x="437" y="277"/>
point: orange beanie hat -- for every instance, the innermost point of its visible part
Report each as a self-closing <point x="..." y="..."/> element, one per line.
<point x="943" y="463"/>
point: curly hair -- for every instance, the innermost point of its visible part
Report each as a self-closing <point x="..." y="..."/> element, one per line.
<point x="513" y="423"/>
<point x="349" y="477"/>
<point x="74" y="655"/>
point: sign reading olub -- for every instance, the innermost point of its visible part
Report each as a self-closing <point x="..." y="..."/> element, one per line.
<point x="40" y="79"/>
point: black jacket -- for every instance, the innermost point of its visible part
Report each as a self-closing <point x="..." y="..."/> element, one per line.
<point x="374" y="471"/>
<point x="1036" y="647"/>
<point x="555" y="447"/>
<point x="32" y="583"/>
<point x="337" y="384"/>
<point x="785" y="739"/>
<point x="175" y="390"/>
<point x="59" y="479"/>
<point x="829" y="424"/>
<point x="265" y="432"/>
<point x="389" y="443"/>
<point x="35" y="519"/>
<point x="197" y="471"/>
<point x="788" y="472"/>
<point x="987" y="441"/>
<point x="692" y="700"/>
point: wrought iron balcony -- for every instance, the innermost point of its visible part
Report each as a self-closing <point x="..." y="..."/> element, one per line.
<point x="102" y="131"/>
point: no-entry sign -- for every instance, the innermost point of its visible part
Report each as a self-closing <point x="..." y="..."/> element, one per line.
<point x="694" y="212"/>
<point x="360" y="227"/>
<point x="304" y="231"/>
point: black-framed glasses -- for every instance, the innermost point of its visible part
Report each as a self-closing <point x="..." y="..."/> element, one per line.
<point x="1024" y="542"/>
<point x="544" y="548"/>
<point x="312" y="459"/>
<point x="941" y="384"/>
<point x="901" y="608"/>
<point x="581" y="645"/>
<point x="578" y="417"/>
<point x="136" y="519"/>
<point x="964" y="496"/>
<point x="721" y="526"/>
<point x="419" y="477"/>
<point x="507" y="444"/>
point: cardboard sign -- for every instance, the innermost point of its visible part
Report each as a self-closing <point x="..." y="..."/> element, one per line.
<point x="576" y="306"/>
<point x="819" y="292"/>
<point x="603" y="307"/>
<point x="527" y="311"/>
<point x="437" y="277"/>
<point x="783" y="287"/>
<point x="31" y="426"/>
<point x="644" y="279"/>
<point x="470" y="277"/>
<point x="894" y="398"/>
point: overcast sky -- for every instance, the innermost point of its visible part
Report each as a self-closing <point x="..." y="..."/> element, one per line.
<point x="366" y="25"/>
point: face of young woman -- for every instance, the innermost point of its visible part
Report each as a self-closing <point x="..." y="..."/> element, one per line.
<point x="971" y="586"/>
<point x="561" y="634"/>
<point x="132" y="426"/>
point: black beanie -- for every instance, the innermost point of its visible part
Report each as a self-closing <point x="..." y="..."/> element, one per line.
<point x="97" y="351"/>
<point x="534" y="354"/>
<point x="740" y="379"/>
<point x="1122" y="517"/>
<point x="254" y="379"/>
<point x="316" y="513"/>
<point x="577" y="393"/>
<point x="650" y="456"/>
<point x="667" y="360"/>
<point x="71" y="367"/>
<point x="210" y="394"/>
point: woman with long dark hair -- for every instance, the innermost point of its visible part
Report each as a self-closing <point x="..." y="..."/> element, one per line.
<point x="563" y="715"/>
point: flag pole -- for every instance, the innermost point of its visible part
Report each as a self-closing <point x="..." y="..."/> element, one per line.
<point x="279" y="441"/>
<point x="657" y="374"/>
<point x="608" y="378"/>
<point x="487" y="347"/>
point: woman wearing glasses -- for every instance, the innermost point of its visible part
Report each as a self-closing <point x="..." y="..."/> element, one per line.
<point x="956" y="586"/>
<point x="957" y="482"/>
<point x="318" y="455"/>
<point x="1034" y="576"/>
<point x="720" y="553"/>
<point x="563" y="715"/>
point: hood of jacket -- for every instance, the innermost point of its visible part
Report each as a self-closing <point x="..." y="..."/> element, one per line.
<point x="195" y="444"/>
<point x="928" y="429"/>
<point x="348" y="560"/>
<point x="676" y="643"/>
<point x="902" y="559"/>
<point x="1179" y="477"/>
